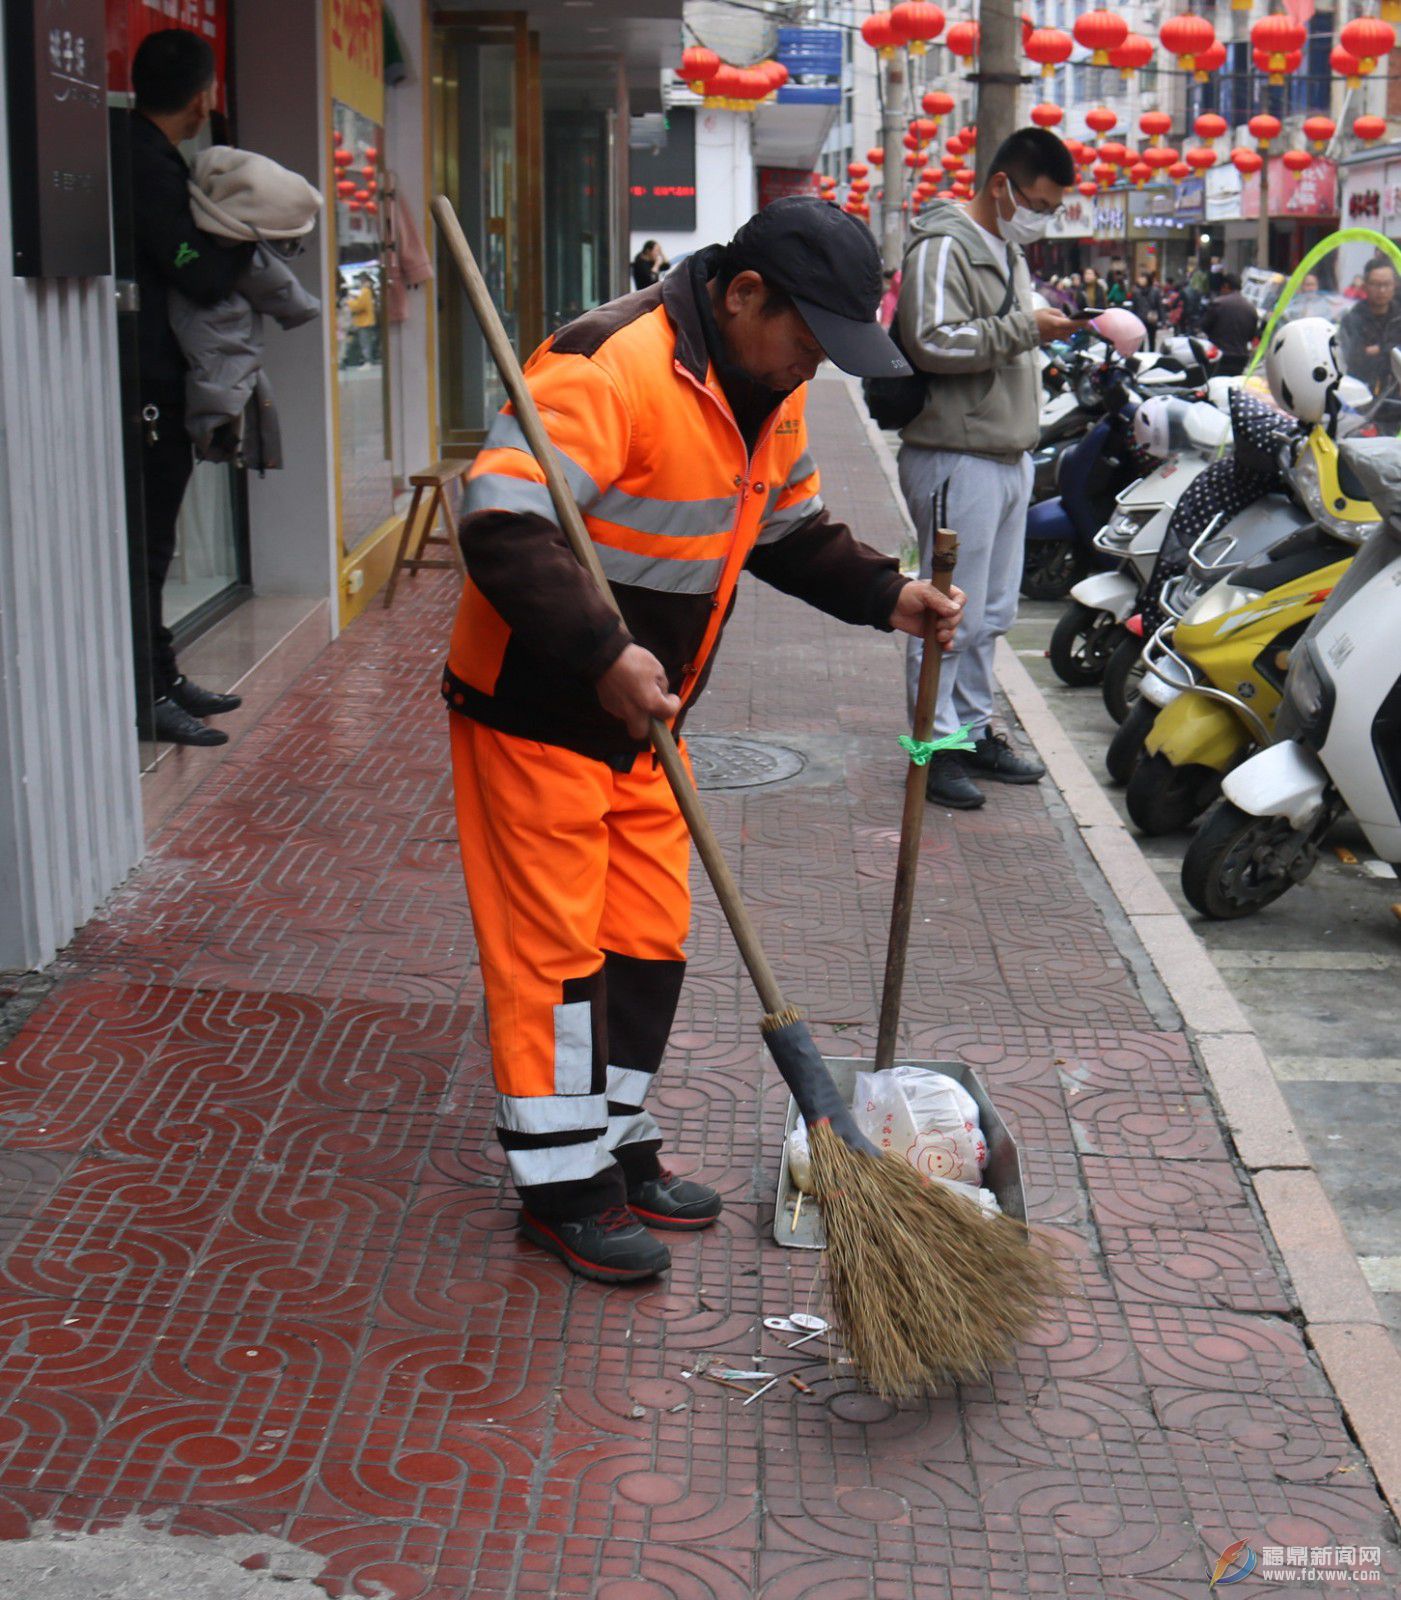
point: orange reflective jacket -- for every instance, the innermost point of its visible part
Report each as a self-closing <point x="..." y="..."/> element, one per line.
<point x="676" y="507"/>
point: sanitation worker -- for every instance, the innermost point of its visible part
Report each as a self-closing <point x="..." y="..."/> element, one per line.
<point x="678" y="414"/>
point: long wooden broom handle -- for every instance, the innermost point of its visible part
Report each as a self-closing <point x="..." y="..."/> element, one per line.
<point x="912" y="821"/>
<point x="707" y="845"/>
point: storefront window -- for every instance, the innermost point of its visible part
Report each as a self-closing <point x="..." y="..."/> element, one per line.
<point x="362" y="380"/>
<point x="576" y="214"/>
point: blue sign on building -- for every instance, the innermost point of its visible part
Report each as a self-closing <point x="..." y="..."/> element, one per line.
<point x="813" y="57"/>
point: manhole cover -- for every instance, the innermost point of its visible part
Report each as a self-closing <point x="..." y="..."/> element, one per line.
<point x="723" y="762"/>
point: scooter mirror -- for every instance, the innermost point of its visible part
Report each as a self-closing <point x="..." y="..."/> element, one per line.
<point x="1353" y="392"/>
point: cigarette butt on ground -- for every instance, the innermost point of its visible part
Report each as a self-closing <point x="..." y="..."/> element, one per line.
<point x="800" y="1386"/>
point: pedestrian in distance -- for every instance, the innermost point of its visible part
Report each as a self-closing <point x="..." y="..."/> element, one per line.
<point x="648" y="265"/>
<point x="678" y="415"/>
<point x="1231" y="323"/>
<point x="1371" y="329"/>
<point x="1116" y="294"/>
<point x="1146" y="303"/>
<point x="173" y="84"/>
<point x="966" y="320"/>
<point x="1092" y="297"/>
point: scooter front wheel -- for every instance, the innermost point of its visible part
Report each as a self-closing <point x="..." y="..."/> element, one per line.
<point x="1237" y="863"/>
<point x="1122" y="673"/>
<point x="1163" y="798"/>
<point x="1049" y="568"/>
<point x="1126" y="747"/>
<point x="1081" y="644"/>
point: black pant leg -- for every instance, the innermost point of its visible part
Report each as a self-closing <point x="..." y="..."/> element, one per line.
<point x="166" y="465"/>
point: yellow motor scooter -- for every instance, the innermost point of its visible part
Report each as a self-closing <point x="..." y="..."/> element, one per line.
<point x="1218" y="675"/>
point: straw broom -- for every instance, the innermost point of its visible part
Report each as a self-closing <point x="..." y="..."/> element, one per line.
<point x="880" y="1217"/>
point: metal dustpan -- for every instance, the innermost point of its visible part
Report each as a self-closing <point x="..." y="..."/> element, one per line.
<point x="1003" y="1173"/>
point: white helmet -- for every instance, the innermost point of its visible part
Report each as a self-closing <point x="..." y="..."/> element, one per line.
<point x="1159" y="425"/>
<point x="1304" y="368"/>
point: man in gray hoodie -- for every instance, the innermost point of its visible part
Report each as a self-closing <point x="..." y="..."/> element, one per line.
<point x="966" y="319"/>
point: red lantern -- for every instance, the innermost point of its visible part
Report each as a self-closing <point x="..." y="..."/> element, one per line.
<point x="924" y="129"/>
<point x="1160" y="156"/>
<point x="699" y="66"/>
<point x="1264" y="129"/>
<point x="1132" y="56"/>
<point x="1139" y="173"/>
<point x="950" y="162"/>
<point x="879" y="32"/>
<point x="962" y="40"/>
<point x="1297" y="160"/>
<point x="1276" y="37"/>
<point x="1369" y="39"/>
<point x="1156" y="124"/>
<point x="1046" y="115"/>
<point x="1346" y="65"/>
<point x="1209" y="126"/>
<point x="969" y="136"/>
<point x="1100" y="32"/>
<point x="778" y="74"/>
<point x="957" y="145"/>
<point x="1105" y="173"/>
<point x="1264" y="64"/>
<point x="876" y="156"/>
<point x="368" y="173"/>
<point x="1116" y="154"/>
<point x="918" y="25"/>
<point x="1179" y="172"/>
<point x="371" y="154"/>
<point x="1319" y="130"/>
<point x="937" y="104"/>
<point x="1187" y="37"/>
<point x="931" y="177"/>
<point x="1370" y="129"/>
<point x="1246" y="161"/>
<point x="909" y="141"/>
<point x="1088" y="189"/>
<point x="913" y="159"/>
<point x="1210" y="60"/>
<point x="372" y="206"/>
<point x="345" y="188"/>
<point x="860" y="186"/>
<point x="1201" y="157"/>
<point x="1100" y="119"/>
<point x="342" y="158"/>
<point x="362" y="195"/>
<point x="1048" y="47"/>
<point x="723" y="84"/>
<point x="336" y="137"/>
<point x="354" y="205"/>
<point x="856" y="169"/>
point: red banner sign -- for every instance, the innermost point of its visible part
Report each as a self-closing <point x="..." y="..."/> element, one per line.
<point x="129" y="21"/>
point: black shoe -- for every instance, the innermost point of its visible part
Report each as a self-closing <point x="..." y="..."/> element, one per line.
<point x="993" y="757"/>
<point x="202" y="702"/>
<point x="611" y="1246"/>
<point x="947" y="784"/>
<point x="671" y="1202"/>
<point x="175" y="725"/>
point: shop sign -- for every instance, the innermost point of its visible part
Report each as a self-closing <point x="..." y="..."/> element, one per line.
<point x="1109" y="216"/>
<point x="58" y="138"/>
<point x="662" y="192"/>
<point x="129" y="21"/>
<point x="813" y="57"/>
<point x="1373" y="196"/>
<point x="1223" y="193"/>
<point x="1075" y="220"/>
<point x="355" y="42"/>
<point x="1310" y="193"/>
<point x="1190" y="203"/>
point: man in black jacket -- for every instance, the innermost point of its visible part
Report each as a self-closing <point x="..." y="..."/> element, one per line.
<point x="172" y="76"/>
<point x="1371" y="330"/>
<point x="1231" y="323"/>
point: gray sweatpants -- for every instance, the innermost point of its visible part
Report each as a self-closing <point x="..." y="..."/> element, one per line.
<point x="985" y="503"/>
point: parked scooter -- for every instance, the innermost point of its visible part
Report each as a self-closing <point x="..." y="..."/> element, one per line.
<point x="1182" y="436"/>
<point x="1338" y="731"/>
<point x="1221" y="673"/>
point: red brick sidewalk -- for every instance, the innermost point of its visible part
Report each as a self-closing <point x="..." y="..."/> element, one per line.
<point x="261" y="1274"/>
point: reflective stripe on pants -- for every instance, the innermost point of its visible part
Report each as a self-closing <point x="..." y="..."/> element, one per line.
<point x="576" y="875"/>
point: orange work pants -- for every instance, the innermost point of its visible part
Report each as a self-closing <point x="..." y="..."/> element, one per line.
<point x="576" y="875"/>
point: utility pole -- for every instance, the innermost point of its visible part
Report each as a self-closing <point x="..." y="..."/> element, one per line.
<point x="998" y="77"/>
<point x="1262" y="227"/>
<point x="892" y="222"/>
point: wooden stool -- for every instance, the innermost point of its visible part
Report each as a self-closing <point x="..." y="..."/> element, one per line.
<point x="436" y="479"/>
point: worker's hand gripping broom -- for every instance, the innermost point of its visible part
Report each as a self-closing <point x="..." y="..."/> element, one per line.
<point x="904" y="1330"/>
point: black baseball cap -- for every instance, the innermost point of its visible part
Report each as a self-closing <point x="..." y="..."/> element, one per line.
<point x="828" y="264"/>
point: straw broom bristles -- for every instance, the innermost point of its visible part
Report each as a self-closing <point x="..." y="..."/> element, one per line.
<point x="925" y="1288"/>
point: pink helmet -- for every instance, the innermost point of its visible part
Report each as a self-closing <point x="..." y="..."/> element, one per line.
<point x="1122" y="329"/>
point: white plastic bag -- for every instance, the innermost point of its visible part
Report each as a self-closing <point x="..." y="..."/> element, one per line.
<point x="883" y="1113"/>
<point x="799" y="1159"/>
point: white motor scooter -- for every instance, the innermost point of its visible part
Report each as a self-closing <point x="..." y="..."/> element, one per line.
<point x="1337" y="733"/>
<point x="1091" y="626"/>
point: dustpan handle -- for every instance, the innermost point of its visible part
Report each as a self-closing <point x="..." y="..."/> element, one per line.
<point x="912" y="821"/>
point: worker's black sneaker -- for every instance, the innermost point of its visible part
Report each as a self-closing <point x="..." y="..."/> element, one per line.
<point x="947" y="784"/>
<point x="670" y="1202"/>
<point x="993" y="757"/>
<point x="202" y="702"/>
<point x="611" y="1246"/>
<point x="174" y="725"/>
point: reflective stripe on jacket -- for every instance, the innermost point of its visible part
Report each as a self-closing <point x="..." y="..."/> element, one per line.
<point x="676" y="509"/>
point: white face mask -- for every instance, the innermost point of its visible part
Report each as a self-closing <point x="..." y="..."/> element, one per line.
<point x="1024" y="226"/>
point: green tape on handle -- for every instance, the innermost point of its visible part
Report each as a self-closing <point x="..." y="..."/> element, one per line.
<point x="920" y="750"/>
